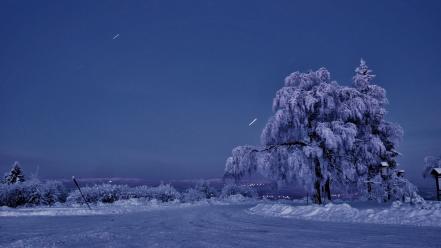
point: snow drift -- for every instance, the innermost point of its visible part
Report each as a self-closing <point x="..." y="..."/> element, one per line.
<point x="428" y="214"/>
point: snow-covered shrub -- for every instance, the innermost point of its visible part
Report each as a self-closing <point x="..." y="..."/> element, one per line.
<point x="193" y="195"/>
<point x="105" y="193"/>
<point x="32" y="192"/>
<point x="376" y="190"/>
<point x="205" y="187"/>
<point x="163" y="192"/>
<point x="202" y="190"/>
<point x="52" y="192"/>
<point x="142" y="191"/>
<point x="392" y="188"/>
<point x="108" y="193"/>
<point x="234" y="189"/>
<point x="402" y="189"/>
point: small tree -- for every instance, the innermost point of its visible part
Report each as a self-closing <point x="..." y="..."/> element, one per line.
<point x="15" y="175"/>
<point x="205" y="187"/>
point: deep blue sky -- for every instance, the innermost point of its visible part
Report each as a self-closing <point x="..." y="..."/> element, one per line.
<point x="174" y="93"/>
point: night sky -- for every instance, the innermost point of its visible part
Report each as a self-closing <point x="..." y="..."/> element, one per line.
<point x="173" y="94"/>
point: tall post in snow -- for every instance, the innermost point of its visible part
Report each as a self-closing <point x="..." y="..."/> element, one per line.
<point x="81" y="192"/>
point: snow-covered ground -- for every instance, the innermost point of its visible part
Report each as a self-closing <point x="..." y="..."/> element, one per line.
<point x="232" y="223"/>
<point x="428" y="214"/>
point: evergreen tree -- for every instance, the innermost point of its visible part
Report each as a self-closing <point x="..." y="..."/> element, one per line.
<point x="363" y="76"/>
<point x="15" y="175"/>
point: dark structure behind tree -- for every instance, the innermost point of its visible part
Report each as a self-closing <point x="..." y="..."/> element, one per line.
<point x="436" y="173"/>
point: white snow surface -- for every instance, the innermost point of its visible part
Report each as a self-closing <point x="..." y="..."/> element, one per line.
<point x="222" y="223"/>
<point x="428" y="214"/>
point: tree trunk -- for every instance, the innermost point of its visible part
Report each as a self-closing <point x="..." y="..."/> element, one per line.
<point x="369" y="189"/>
<point x="317" y="196"/>
<point x="328" y="189"/>
<point x="317" y="186"/>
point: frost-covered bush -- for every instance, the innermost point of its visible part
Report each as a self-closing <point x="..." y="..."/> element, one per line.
<point x="205" y="187"/>
<point x="193" y="195"/>
<point x="375" y="190"/>
<point x="163" y="192"/>
<point x="402" y="189"/>
<point x="52" y="192"/>
<point x="234" y="189"/>
<point x="108" y="193"/>
<point x="392" y="188"/>
<point x="202" y="190"/>
<point x="32" y="192"/>
<point x="142" y="191"/>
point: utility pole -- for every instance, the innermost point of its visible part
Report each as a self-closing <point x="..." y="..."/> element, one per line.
<point x="81" y="192"/>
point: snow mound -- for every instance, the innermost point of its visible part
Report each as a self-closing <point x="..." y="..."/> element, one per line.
<point x="401" y="214"/>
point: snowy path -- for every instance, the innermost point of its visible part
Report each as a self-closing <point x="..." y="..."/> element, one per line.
<point x="204" y="226"/>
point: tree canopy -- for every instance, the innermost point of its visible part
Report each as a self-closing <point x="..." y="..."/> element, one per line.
<point x="322" y="134"/>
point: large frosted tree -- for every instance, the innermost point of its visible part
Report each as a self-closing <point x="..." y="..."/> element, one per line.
<point x="324" y="135"/>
